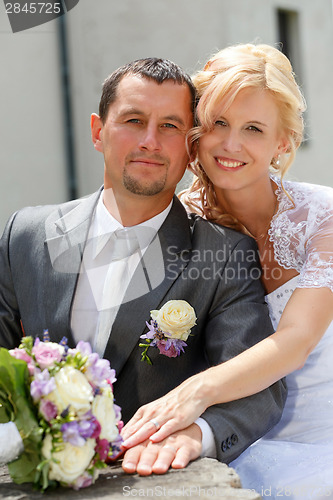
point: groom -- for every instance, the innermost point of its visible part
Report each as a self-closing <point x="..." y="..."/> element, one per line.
<point x="56" y="271"/>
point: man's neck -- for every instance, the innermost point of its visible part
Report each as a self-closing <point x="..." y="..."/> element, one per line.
<point x="133" y="210"/>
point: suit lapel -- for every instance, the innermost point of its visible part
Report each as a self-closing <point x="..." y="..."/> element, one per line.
<point x="174" y="242"/>
<point x="66" y="235"/>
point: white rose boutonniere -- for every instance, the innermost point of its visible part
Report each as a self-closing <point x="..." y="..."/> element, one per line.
<point x="169" y="329"/>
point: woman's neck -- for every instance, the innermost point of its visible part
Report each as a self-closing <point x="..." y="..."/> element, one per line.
<point x="253" y="206"/>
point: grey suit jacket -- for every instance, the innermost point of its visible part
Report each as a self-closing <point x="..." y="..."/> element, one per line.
<point x="211" y="267"/>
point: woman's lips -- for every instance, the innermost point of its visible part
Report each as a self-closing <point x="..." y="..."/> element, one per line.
<point x="230" y="165"/>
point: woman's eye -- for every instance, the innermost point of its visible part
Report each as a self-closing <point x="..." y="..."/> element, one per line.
<point x="220" y="123"/>
<point x="254" y="128"/>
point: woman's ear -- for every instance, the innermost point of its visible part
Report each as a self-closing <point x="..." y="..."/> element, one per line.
<point x="284" y="146"/>
<point x="96" y="130"/>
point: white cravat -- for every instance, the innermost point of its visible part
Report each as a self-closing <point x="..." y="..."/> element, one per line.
<point x="124" y="244"/>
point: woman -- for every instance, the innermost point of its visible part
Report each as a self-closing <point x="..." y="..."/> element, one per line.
<point x="250" y="125"/>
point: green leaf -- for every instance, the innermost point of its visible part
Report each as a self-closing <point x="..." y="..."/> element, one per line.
<point x="17" y="406"/>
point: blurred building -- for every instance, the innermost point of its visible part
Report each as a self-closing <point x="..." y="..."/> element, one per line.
<point x="51" y="79"/>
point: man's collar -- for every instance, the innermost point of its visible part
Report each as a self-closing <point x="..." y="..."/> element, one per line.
<point x="104" y="225"/>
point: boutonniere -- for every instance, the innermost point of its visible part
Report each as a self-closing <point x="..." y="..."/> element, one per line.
<point x="169" y="329"/>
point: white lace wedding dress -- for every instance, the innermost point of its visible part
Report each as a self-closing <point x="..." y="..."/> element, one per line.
<point x="295" y="459"/>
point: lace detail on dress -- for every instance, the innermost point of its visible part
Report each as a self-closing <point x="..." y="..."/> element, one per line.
<point x="302" y="232"/>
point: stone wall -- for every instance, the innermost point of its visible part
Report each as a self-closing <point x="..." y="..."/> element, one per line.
<point x="202" y="479"/>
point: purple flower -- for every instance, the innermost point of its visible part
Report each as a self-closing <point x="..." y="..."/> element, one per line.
<point x="78" y="431"/>
<point x="98" y="370"/>
<point x="83" y="481"/>
<point x="84" y="348"/>
<point x="89" y="427"/>
<point x="48" y="409"/>
<point x="171" y="347"/>
<point x="71" y="433"/>
<point x="102" y="448"/>
<point x="42" y="385"/>
<point x="117" y="411"/>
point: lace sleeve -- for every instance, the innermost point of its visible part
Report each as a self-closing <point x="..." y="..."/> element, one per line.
<point x="317" y="269"/>
<point x="302" y="233"/>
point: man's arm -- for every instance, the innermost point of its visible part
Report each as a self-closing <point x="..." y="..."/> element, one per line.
<point x="10" y="327"/>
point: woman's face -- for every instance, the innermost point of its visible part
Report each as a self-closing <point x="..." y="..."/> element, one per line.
<point x="238" y="151"/>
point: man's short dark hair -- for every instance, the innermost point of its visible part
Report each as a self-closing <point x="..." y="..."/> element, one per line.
<point x="152" y="68"/>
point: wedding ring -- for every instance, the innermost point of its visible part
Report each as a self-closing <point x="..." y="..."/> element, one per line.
<point x="157" y="425"/>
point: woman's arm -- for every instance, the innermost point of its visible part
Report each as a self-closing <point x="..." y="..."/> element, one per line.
<point x="305" y="319"/>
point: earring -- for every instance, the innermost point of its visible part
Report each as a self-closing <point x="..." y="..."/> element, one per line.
<point x="275" y="161"/>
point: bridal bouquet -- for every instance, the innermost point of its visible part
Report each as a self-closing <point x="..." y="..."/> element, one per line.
<point x="61" y="401"/>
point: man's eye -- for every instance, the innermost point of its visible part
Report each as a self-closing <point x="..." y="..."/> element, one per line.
<point x="134" y="120"/>
<point x="169" y="125"/>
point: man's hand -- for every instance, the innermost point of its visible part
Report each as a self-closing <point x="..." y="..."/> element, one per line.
<point x="176" y="451"/>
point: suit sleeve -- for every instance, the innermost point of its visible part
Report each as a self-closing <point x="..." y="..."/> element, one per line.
<point x="10" y="327"/>
<point x="239" y="319"/>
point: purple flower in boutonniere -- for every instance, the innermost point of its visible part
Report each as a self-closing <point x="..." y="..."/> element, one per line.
<point x="169" y="329"/>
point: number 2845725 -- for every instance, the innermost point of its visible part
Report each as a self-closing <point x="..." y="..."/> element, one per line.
<point x="33" y="8"/>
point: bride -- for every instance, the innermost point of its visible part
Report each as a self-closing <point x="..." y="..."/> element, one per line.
<point x="250" y="126"/>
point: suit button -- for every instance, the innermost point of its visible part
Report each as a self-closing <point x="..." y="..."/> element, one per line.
<point x="234" y="439"/>
<point x="224" y="446"/>
<point x="229" y="442"/>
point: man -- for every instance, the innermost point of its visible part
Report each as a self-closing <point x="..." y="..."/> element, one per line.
<point x="56" y="271"/>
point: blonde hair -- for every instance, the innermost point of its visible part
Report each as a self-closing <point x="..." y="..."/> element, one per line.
<point x="223" y="77"/>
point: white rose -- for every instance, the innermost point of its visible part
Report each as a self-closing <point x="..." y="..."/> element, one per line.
<point x="72" y="461"/>
<point x="103" y="410"/>
<point x="176" y="318"/>
<point x="72" y="388"/>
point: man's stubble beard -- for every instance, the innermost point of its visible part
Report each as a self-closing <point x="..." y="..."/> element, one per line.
<point x="136" y="186"/>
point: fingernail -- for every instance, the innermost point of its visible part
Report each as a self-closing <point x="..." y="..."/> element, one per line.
<point x="129" y="466"/>
<point x="144" y="469"/>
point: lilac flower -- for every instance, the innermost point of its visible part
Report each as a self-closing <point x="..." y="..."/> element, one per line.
<point x="71" y="433"/>
<point x="117" y="411"/>
<point x="84" y="348"/>
<point x="42" y="385"/>
<point x="98" y="370"/>
<point x="89" y="427"/>
<point x="83" y="481"/>
<point x="48" y="409"/>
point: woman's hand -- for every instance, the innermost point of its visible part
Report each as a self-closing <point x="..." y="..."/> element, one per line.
<point x="173" y="412"/>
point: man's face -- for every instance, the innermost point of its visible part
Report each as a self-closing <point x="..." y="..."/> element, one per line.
<point x="143" y="137"/>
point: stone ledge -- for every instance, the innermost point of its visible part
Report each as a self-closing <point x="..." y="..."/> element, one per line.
<point x="202" y="479"/>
